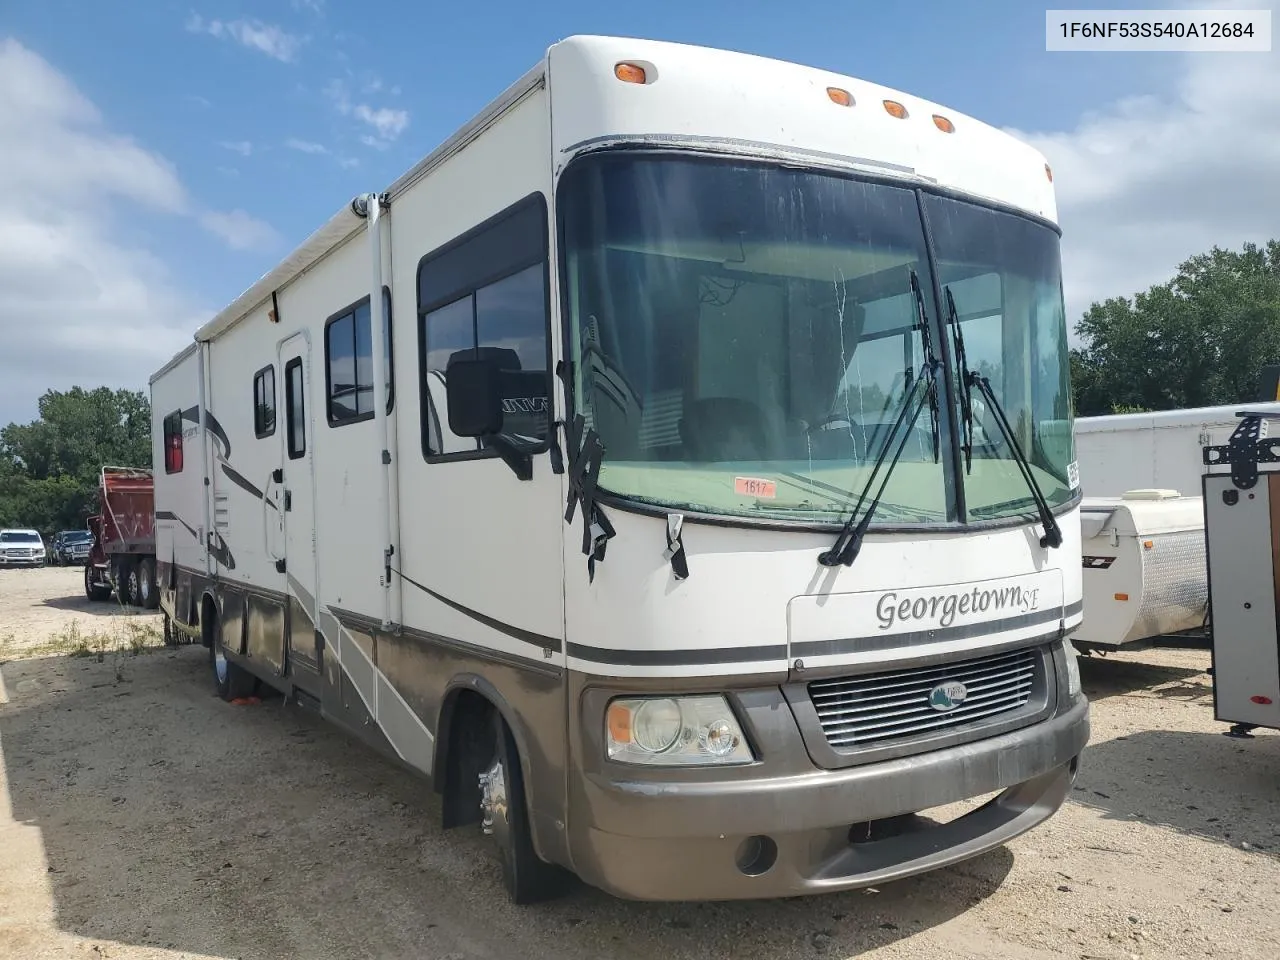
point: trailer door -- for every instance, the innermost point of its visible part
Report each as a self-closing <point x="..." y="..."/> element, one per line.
<point x="296" y="560"/>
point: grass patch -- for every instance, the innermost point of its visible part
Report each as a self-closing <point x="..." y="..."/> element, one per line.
<point x="126" y="637"/>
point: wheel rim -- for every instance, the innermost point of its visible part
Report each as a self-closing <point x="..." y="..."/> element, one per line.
<point x="133" y="583"/>
<point x="493" y="802"/>
<point x="219" y="663"/>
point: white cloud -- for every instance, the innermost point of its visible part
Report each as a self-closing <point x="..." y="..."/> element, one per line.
<point x="239" y="230"/>
<point x="309" y="6"/>
<point x="306" y="146"/>
<point x="387" y="122"/>
<point x="242" y="147"/>
<point x="339" y="95"/>
<point x="80" y="301"/>
<point x="1147" y="182"/>
<point x="266" y="38"/>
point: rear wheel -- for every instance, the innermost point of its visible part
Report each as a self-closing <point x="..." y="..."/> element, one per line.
<point x="126" y="582"/>
<point x="147" y="595"/>
<point x="505" y="817"/>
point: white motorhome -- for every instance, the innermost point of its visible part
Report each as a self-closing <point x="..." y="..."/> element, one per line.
<point x="547" y="471"/>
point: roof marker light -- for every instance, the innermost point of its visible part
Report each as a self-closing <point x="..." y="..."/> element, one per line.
<point x="943" y="124"/>
<point x="842" y="97"/>
<point x="630" y="73"/>
<point x="895" y="109"/>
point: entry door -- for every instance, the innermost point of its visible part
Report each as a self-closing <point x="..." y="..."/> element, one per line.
<point x="298" y="506"/>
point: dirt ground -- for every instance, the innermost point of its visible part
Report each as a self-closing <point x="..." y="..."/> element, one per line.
<point x="141" y="817"/>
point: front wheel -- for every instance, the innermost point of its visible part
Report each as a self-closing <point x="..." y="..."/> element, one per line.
<point x="505" y="817"/>
<point x="92" y="589"/>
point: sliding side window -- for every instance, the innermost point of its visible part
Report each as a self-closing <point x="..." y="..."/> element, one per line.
<point x="485" y="296"/>
<point x="295" y="409"/>
<point x="264" y="402"/>
<point x="348" y="351"/>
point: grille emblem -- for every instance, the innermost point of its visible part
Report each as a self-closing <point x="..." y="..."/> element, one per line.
<point x="948" y="695"/>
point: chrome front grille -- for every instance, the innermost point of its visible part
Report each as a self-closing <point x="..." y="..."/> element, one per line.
<point x="880" y="707"/>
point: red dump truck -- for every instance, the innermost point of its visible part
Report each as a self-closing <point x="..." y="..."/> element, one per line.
<point x="122" y="559"/>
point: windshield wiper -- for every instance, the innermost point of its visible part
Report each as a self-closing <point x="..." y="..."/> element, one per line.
<point x="926" y="347"/>
<point x="968" y="380"/>
<point x="966" y="375"/>
<point x="923" y="389"/>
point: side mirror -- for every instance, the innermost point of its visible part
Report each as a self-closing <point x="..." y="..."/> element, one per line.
<point x="474" y="398"/>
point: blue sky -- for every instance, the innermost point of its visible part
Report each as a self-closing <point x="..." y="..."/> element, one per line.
<point x="264" y="116"/>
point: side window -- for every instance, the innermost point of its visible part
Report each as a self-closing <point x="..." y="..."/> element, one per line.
<point x="485" y="295"/>
<point x="264" y="402"/>
<point x="295" y="409"/>
<point x="348" y="350"/>
<point x="173" y="442"/>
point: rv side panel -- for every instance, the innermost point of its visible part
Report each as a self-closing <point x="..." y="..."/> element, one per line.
<point x="176" y="468"/>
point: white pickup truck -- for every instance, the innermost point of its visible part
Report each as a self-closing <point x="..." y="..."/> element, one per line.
<point x="21" y="548"/>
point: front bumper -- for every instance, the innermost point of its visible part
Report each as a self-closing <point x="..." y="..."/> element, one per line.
<point x="22" y="561"/>
<point x="685" y="840"/>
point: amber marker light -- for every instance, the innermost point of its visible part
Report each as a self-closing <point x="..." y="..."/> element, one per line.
<point x="630" y="73"/>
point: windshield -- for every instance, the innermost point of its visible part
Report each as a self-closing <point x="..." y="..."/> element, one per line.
<point x="744" y="336"/>
<point x="8" y="537"/>
<point x="73" y="536"/>
<point x="1004" y="276"/>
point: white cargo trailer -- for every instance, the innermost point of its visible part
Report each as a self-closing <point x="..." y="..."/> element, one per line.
<point x="1152" y="451"/>
<point x="613" y="468"/>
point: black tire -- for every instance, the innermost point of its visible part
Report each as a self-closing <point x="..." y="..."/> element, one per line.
<point x="526" y="876"/>
<point x="126" y="572"/>
<point x="230" y="679"/>
<point x="92" y="590"/>
<point x="148" y="595"/>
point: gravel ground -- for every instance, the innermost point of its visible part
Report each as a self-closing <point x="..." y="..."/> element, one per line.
<point x="141" y="817"/>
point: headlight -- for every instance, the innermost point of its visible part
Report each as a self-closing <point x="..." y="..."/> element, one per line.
<point x="1073" y="667"/>
<point x="675" y="731"/>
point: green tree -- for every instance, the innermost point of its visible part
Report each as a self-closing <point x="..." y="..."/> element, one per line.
<point x="1198" y="340"/>
<point x="49" y="467"/>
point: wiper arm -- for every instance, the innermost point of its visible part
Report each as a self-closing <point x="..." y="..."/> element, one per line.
<point x="966" y="381"/>
<point x="1052" y="533"/>
<point x="849" y="541"/>
<point x="926" y="347"/>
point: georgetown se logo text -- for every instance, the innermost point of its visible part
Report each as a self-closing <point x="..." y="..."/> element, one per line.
<point x="945" y="607"/>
